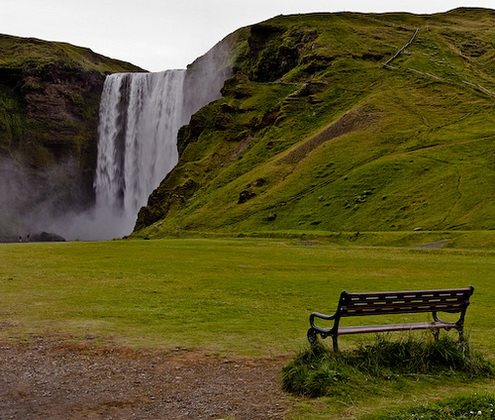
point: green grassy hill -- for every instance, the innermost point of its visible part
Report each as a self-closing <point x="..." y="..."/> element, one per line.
<point x="314" y="133"/>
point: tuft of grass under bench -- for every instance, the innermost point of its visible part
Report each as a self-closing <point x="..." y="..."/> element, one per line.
<point x="385" y="364"/>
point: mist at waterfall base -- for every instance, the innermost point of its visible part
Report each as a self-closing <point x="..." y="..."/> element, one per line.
<point x="31" y="201"/>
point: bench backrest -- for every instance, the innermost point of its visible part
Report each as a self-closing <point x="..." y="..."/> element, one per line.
<point x="358" y="304"/>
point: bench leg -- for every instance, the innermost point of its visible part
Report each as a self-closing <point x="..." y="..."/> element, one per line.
<point x="335" y="343"/>
<point x="436" y="333"/>
<point x="311" y="336"/>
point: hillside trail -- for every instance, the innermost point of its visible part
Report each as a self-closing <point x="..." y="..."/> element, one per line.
<point x="50" y="379"/>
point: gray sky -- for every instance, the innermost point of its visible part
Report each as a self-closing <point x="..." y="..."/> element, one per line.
<point x="164" y="34"/>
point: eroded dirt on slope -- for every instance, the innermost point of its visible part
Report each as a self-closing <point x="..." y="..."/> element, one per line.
<point x="352" y="121"/>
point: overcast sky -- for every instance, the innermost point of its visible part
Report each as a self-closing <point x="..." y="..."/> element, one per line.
<point x="164" y="34"/>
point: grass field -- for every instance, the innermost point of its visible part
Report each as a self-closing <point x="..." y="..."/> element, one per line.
<point x="248" y="296"/>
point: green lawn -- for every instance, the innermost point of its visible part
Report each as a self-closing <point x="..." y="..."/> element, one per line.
<point x="240" y="296"/>
<point x="248" y="296"/>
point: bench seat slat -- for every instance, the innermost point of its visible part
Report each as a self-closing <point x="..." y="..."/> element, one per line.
<point x="393" y="327"/>
<point x="412" y="293"/>
<point x="399" y="308"/>
<point x="449" y="299"/>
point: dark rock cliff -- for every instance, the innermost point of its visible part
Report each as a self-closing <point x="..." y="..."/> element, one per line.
<point x="60" y="113"/>
<point x="49" y="102"/>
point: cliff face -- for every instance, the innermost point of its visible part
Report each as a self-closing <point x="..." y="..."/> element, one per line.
<point x="49" y="100"/>
<point x="314" y="132"/>
<point x="59" y="109"/>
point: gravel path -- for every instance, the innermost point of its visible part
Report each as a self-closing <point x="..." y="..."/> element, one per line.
<point x="60" y="379"/>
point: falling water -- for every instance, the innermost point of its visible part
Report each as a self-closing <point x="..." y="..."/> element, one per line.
<point x="140" y="114"/>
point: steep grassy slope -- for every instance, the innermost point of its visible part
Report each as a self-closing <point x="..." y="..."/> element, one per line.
<point x="49" y="101"/>
<point x="315" y="133"/>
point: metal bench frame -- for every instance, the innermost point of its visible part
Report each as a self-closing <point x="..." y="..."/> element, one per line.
<point x="392" y="303"/>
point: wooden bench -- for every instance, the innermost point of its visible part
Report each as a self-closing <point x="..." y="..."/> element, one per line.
<point x="394" y="303"/>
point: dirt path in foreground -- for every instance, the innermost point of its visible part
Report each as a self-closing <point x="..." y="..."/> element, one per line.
<point x="53" y="379"/>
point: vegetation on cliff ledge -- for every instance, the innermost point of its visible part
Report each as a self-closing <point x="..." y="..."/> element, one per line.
<point x="315" y="133"/>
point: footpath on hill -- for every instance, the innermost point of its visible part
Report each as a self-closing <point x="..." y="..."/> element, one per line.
<point x="59" y="379"/>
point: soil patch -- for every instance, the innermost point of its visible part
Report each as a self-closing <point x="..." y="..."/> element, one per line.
<point x="438" y="244"/>
<point x="354" y="120"/>
<point x="57" y="379"/>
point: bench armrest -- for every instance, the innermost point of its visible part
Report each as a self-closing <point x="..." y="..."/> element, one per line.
<point x="321" y="316"/>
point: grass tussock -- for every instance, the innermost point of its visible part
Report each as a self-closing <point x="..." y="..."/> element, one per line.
<point x="456" y="408"/>
<point x="318" y="371"/>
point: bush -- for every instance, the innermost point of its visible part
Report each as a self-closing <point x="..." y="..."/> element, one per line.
<point x="412" y="356"/>
<point x="318" y="371"/>
<point x="313" y="372"/>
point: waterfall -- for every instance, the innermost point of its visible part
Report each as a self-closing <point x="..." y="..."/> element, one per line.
<point x="140" y="114"/>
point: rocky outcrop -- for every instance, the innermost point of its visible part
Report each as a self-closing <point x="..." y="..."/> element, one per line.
<point x="47" y="237"/>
